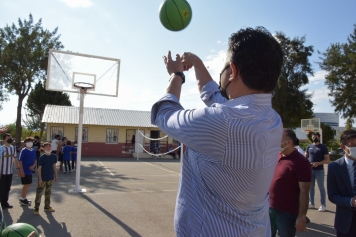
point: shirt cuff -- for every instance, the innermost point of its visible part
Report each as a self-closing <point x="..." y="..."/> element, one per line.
<point x="208" y="90"/>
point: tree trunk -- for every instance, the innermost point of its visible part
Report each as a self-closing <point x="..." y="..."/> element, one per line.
<point x="18" y="119"/>
<point x="41" y="131"/>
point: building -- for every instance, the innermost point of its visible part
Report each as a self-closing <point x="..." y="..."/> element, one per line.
<point x="106" y="132"/>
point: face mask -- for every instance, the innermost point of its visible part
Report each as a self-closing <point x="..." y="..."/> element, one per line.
<point x="282" y="148"/>
<point x="315" y="140"/>
<point x="48" y="152"/>
<point x="29" y="144"/>
<point x="223" y="90"/>
<point x="352" y="151"/>
<point x="75" y="145"/>
<point x="10" y="140"/>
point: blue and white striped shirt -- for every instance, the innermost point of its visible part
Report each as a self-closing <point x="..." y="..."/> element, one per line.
<point x="8" y="153"/>
<point x="232" y="150"/>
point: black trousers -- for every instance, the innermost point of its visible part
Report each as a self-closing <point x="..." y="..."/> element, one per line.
<point x="67" y="164"/>
<point x="5" y="187"/>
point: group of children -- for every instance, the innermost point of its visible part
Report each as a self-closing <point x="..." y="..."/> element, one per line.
<point x="26" y="162"/>
<point x="66" y="153"/>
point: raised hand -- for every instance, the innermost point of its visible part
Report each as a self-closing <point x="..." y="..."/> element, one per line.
<point x="171" y="65"/>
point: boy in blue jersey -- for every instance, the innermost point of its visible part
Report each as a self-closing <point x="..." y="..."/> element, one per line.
<point x="47" y="173"/>
<point x="66" y="156"/>
<point x="26" y="163"/>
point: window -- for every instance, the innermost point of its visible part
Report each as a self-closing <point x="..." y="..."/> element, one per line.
<point x="56" y="130"/>
<point x="112" y="135"/>
<point x="84" y="135"/>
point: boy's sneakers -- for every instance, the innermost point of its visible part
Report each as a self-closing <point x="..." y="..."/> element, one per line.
<point x="35" y="212"/>
<point x="25" y="202"/>
<point x="50" y="209"/>
<point x="322" y="208"/>
<point x="311" y="206"/>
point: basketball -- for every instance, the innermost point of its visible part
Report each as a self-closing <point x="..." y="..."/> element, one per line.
<point x="175" y="15"/>
<point x="18" y="230"/>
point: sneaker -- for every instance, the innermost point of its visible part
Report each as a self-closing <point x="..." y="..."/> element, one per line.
<point x="25" y="202"/>
<point x="50" y="209"/>
<point x="35" y="212"/>
<point x="6" y="205"/>
<point x="311" y="206"/>
<point x="64" y="172"/>
<point x="322" y="208"/>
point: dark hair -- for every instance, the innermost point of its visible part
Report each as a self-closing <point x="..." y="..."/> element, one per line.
<point x="259" y="57"/>
<point x="57" y="136"/>
<point x="5" y="135"/>
<point x="64" y="138"/>
<point x="291" y="134"/>
<point x="316" y="134"/>
<point x="37" y="137"/>
<point x="346" y="135"/>
<point x="296" y="142"/>
<point x="69" y="143"/>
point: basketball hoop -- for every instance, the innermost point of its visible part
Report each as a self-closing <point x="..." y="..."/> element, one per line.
<point x="83" y="87"/>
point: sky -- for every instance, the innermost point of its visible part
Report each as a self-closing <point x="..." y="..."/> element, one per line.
<point x="131" y="31"/>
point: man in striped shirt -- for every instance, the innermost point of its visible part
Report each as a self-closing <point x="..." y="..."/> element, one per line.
<point x="7" y="161"/>
<point x="232" y="144"/>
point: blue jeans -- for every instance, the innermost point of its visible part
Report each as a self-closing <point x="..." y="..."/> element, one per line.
<point x="284" y="222"/>
<point x="319" y="176"/>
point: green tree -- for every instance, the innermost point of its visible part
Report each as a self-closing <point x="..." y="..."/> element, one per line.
<point x="24" y="50"/>
<point x="328" y="134"/>
<point x="339" y="61"/>
<point x="348" y="124"/>
<point x="37" y="100"/>
<point x="291" y="102"/>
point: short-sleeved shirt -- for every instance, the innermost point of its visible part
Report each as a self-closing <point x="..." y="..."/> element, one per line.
<point x="28" y="157"/>
<point x="284" y="190"/>
<point x="66" y="152"/>
<point x="7" y="154"/>
<point x="316" y="154"/>
<point x="74" y="153"/>
<point x="54" y="144"/>
<point x="47" y="161"/>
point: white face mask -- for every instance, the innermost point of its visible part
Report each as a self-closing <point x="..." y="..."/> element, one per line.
<point x="75" y="145"/>
<point x="352" y="151"/>
<point x="282" y="148"/>
<point x="48" y="152"/>
<point x="29" y="144"/>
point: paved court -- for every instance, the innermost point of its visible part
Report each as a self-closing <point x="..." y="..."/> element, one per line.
<point x="124" y="197"/>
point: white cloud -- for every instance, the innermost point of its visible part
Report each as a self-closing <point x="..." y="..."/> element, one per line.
<point x="78" y="3"/>
<point x="318" y="76"/>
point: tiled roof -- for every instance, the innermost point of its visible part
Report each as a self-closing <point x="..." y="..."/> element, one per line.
<point x="97" y="116"/>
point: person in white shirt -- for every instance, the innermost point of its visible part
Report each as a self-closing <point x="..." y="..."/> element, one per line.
<point x="296" y="146"/>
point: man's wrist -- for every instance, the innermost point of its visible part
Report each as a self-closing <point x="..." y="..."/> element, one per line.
<point x="179" y="74"/>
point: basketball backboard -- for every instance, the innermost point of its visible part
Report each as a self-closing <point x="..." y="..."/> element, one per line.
<point x="310" y="125"/>
<point x="66" y="68"/>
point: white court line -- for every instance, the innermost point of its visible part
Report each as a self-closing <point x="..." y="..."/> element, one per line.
<point x="106" y="168"/>
<point x="170" y="171"/>
<point x="319" y="231"/>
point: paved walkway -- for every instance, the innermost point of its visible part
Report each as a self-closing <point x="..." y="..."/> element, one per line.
<point x="124" y="197"/>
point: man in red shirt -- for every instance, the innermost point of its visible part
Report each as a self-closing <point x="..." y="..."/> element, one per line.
<point x="289" y="191"/>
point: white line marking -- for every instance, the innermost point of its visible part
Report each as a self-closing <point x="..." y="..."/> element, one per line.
<point x="106" y="168"/>
<point x="170" y="171"/>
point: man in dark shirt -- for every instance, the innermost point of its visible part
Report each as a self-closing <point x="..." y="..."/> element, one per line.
<point x="289" y="191"/>
<point x="318" y="155"/>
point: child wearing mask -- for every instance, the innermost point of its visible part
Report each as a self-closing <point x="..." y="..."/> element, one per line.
<point x="47" y="173"/>
<point x="74" y="156"/>
<point x="26" y="164"/>
<point x="66" y="156"/>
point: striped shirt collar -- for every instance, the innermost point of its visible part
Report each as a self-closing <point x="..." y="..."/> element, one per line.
<point x="260" y="99"/>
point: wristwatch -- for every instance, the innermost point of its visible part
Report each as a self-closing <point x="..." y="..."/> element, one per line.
<point x="181" y="74"/>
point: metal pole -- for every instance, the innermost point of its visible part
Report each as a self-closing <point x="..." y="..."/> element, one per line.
<point x="77" y="187"/>
<point x="137" y="140"/>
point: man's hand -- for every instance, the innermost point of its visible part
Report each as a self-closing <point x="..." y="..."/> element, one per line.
<point x="354" y="201"/>
<point x="171" y="65"/>
<point x="301" y="223"/>
<point x="315" y="164"/>
<point x="189" y="60"/>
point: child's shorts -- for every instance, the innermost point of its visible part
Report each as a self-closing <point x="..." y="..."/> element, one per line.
<point x="27" y="179"/>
